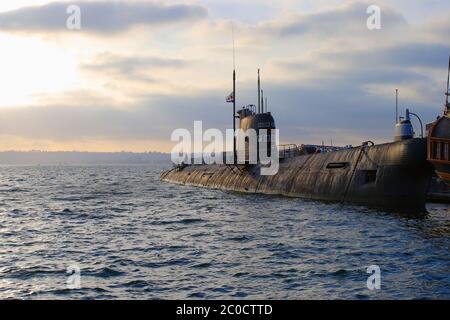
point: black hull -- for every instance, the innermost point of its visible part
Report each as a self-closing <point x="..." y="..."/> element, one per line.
<point x="392" y="176"/>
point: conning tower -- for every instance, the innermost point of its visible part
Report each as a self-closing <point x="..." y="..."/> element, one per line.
<point x="404" y="128"/>
<point x="261" y="123"/>
<point x="257" y="118"/>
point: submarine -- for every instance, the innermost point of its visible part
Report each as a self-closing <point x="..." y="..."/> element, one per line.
<point x="392" y="176"/>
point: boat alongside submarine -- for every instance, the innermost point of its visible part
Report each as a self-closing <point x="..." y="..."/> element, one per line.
<point x="395" y="175"/>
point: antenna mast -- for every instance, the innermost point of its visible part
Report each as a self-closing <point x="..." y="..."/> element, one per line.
<point x="259" y="94"/>
<point x="447" y="106"/>
<point x="396" y="106"/>
<point x="234" y="48"/>
<point x="234" y="97"/>
<point x="262" y="100"/>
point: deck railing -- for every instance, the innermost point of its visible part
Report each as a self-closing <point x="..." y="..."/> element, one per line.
<point x="288" y="151"/>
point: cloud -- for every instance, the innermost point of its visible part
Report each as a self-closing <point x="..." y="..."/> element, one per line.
<point x="137" y="68"/>
<point x="325" y="75"/>
<point x="152" y="118"/>
<point x="413" y="54"/>
<point x="339" y="110"/>
<point x="400" y="62"/>
<point x="100" y="16"/>
<point x="346" y="19"/>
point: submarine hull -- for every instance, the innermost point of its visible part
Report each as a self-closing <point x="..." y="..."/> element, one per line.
<point x="392" y="176"/>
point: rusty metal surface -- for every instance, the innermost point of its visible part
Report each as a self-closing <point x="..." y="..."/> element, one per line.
<point x="393" y="175"/>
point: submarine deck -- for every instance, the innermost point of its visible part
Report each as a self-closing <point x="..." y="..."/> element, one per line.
<point x="392" y="175"/>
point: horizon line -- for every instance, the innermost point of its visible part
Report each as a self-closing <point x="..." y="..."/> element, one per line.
<point x="79" y="151"/>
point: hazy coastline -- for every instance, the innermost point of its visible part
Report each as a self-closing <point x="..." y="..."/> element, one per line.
<point x="80" y="158"/>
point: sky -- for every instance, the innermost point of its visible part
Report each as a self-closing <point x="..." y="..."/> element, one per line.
<point x="137" y="70"/>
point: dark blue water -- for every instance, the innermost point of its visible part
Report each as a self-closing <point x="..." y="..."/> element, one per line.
<point x="135" y="237"/>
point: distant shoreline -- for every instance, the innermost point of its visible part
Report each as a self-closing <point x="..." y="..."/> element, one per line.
<point x="81" y="158"/>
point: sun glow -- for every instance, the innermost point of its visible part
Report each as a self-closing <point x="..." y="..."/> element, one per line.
<point x="30" y="67"/>
<point x="8" y="5"/>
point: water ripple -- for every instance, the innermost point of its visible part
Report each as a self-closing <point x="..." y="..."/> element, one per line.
<point x="134" y="237"/>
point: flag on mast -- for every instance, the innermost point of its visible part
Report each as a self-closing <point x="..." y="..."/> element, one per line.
<point x="230" y="98"/>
